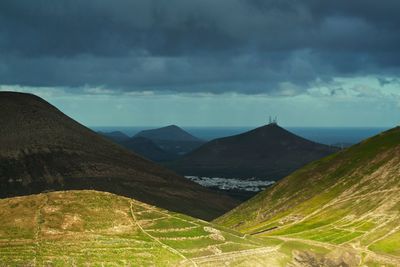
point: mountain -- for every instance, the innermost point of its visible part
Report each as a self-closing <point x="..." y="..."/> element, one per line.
<point x="349" y="200"/>
<point x="89" y="228"/>
<point x="171" y="133"/>
<point x="140" y="145"/>
<point x="43" y="149"/>
<point x="148" y="149"/>
<point x="116" y="136"/>
<point x="172" y="139"/>
<point x="267" y="153"/>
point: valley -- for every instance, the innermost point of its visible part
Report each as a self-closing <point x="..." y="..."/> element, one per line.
<point x="341" y="210"/>
<point x="250" y="185"/>
<point x="228" y="133"/>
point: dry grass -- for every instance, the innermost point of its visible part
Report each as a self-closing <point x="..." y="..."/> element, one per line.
<point x="90" y="228"/>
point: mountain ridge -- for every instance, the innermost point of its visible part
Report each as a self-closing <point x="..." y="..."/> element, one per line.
<point x="43" y="149"/>
<point x="268" y="152"/>
<point x="170" y="132"/>
<point x="148" y="149"/>
<point x="172" y="139"/>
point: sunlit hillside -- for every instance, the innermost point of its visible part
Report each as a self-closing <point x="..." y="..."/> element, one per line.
<point x="90" y="228"/>
<point x="349" y="201"/>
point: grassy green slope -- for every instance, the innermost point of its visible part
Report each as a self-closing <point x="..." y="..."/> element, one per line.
<point x="350" y="199"/>
<point x="90" y="228"/>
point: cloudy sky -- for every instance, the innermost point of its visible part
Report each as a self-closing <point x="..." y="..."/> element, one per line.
<point x="207" y="62"/>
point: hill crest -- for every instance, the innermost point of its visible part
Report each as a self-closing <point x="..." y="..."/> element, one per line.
<point x="43" y="149"/>
<point x="80" y="228"/>
<point x="168" y="133"/>
<point x="268" y="152"/>
<point x="172" y="139"/>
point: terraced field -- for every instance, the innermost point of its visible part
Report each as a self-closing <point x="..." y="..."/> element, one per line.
<point x="366" y="229"/>
<point x="370" y="232"/>
<point x="347" y="202"/>
<point x="89" y="228"/>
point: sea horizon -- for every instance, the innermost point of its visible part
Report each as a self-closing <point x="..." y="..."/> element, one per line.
<point x="329" y="135"/>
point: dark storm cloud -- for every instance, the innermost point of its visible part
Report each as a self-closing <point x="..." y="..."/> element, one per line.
<point x="199" y="45"/>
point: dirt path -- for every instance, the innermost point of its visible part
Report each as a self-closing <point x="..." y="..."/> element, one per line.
<point x="151" y="208"/>
<point x="339" y="200"/>
<point x="38" y="219"/>
<point x="174" y="251"/>
<point x="227" y="256"/>
<point x="393" y="260"/>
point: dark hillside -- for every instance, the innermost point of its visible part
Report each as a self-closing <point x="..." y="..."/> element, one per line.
<point x="43" y="149"/>
<point x="268" y="152"/>
<point x="148" y="149"/>
<point x="172" y="139"/>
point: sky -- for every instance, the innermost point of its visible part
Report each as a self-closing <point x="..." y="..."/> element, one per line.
<point x="207" y="62"/>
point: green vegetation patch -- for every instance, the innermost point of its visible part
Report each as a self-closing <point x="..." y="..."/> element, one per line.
<point x="361" y="225"/>
<point x="329" y="235"/>
<point x="80" y="211"/>
<point x="17" y="252"/>
<point x="170" y="223"/>
<point x="229" y="247"/>
<point x="302" y="227"/>
<point x="193" y="232"/>
<point x="149" y="215"/>
<point x="18" y="219"/>
<point x="193" y="243"/>
<point x="89" y="228"/>
<point x="346" y="237"/>
<point x="366" y="226"/>
<point x="380" y="231"/>
<point x="390" y="245"/>
<point x="198" y="253"/>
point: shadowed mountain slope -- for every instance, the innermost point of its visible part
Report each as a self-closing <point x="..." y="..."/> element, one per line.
<point x="350" y="199"/>
<point x="116" y="136"/>
<point x="268" y="152"/>
<point x="171" y="132"/>
<point x="43" y="149"/>
<point x="140" y="145"/>
<point x="172" y="139"/>
<point x="148" y="149"/>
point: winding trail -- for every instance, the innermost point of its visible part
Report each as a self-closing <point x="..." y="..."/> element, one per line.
<point x="38" y="229"/>
<point x="393" y="260"/>
<point x="174" y="251"/>
<point x="229" y="255"/>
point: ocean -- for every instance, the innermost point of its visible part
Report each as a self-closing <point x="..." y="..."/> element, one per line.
<point x="326" y="135"/>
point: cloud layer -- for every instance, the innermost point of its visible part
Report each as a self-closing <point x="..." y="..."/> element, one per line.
<point x="276" y="47"/>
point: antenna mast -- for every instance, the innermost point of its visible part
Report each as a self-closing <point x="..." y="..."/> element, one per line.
<point x="273" y="120"/>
